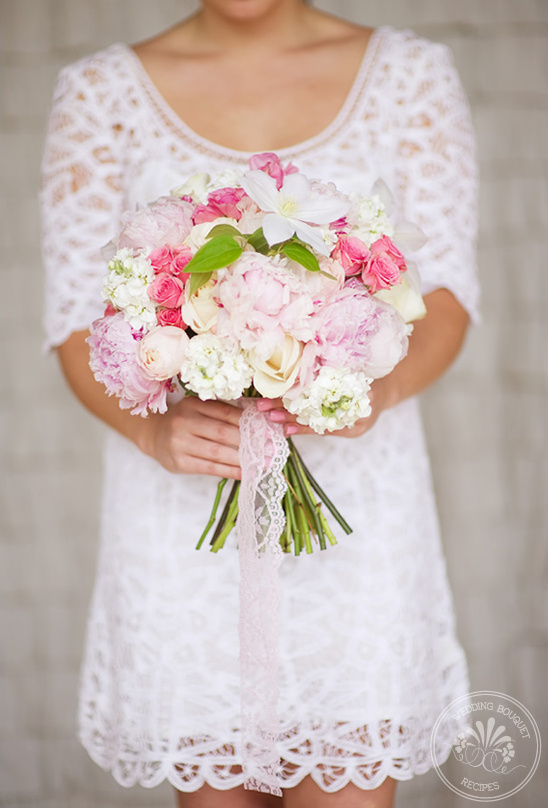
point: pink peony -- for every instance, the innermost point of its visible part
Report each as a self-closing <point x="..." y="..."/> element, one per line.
<point x="166" y="221"/>
<point x="223" y="202"/>
<point x="384" y="266"/>
<point x="167" y="290"/>
<point x="357" y="332"/>
<point x="271" y="165"/>
<point x="113" y="360"/>
<point x="261" y="300"/>
<point x="352" y="253"/>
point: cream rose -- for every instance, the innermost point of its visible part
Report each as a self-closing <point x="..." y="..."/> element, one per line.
<point x="199" y="233"/>
<point x="275" y="375"/>
<point x="162" y="351"/>
<point x="195" y="187"/>
<point x="406" y="296"/>
<point x="200" y="310"/>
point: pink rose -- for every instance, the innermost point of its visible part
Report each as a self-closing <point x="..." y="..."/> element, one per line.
<point x="161" y="258"/>
<point x="170" y="317"/>
<point x="167" y="290"/>
<point x="162" y="351"/>
<point x="180" y="259"/>
<point x="271" y="165"/>
<point x="223" y="202"/>
<point x="352" y="253"/>
<point x="113" y="348"/>
<point x="384" y="266"/>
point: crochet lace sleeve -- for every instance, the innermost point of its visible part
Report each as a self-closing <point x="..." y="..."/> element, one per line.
<point x="437" y="171"/>
<point x="81" y="199"/>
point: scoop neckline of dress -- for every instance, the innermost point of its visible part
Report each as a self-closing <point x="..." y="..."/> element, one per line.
<point x="359" y="85"/>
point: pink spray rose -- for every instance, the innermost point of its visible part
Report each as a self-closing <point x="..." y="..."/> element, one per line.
<point x="223" y="202"/>
<point x="166" y="221"/>
<point x="167" y="290"/>
<point x="352" y="253"/>
<point x="181" y="257"/>
<point x="161" y="258"/>
<point x="384" y="266"/>
<point x="170" y="317"/>
<point x="113" y="360"/>
<point x="271" y="165"/>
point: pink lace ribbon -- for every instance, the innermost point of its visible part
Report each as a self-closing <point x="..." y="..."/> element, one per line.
<point x="261" y="520"/>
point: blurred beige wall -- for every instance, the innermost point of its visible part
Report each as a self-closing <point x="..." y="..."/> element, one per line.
<point x="486" y="421"/>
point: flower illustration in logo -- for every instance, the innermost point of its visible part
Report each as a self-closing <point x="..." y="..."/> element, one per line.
<point x="485" y="746"/>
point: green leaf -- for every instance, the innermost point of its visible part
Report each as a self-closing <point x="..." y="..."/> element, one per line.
<point x="223" y="230"/>
<point x="258" y="241"/>
<point x="215" y="254"/>
<point x="197" y="280"/>
<point x="301" y="254"/>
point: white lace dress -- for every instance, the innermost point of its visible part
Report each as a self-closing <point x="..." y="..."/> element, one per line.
<point x="369" y="656"/>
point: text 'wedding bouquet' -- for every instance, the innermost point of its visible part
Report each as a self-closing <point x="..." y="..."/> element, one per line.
<point x="260" y="284"/>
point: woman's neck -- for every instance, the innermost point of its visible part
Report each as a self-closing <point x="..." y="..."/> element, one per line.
<point x="237" y="30"/>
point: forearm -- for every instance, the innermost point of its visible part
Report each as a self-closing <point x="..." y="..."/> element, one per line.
<point x="434" y="344"/>
<point x="193" y="437"/>
<point x="74" y="358"/>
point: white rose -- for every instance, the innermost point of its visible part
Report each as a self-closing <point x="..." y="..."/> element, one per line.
<point x="200" y="310"/>
<point x="275" y="375"/>
<point x="195" y="187"/>
<point x="406" y="296"/>
<point x="162" y="351"/>
<point x="198" y="235"/>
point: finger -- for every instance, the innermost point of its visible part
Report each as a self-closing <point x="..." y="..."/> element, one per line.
<point x="218" y="410"/>
<point x="218" y="432"/>
<point x="210" y="451"/>
<point x="212" y="469"/>
<point x="267" y="404"/>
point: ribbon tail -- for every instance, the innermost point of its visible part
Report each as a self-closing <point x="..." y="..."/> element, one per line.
<point x="261" y="520"/>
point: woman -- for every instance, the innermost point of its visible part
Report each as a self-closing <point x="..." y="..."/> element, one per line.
<point x="369" y="655"/>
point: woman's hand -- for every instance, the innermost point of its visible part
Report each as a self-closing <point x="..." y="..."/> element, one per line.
<point x="195" y="437"/>
<point x="379" y="397"/>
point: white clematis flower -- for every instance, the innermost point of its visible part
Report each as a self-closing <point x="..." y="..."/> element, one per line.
<point x="294" y="208"/>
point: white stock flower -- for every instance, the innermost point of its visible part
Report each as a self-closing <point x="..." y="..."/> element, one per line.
<point x="293" y="209"/>
<point x="336" y="398"/>
<point x="126" y="288"/>
<point x="215" y="369"/>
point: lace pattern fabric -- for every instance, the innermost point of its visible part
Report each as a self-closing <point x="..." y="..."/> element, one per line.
<point x="368" y="655"/>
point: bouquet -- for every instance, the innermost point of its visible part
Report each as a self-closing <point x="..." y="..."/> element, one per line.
<point x="260" y="284"/>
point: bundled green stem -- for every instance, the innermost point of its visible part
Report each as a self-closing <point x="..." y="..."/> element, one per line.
<point x="302" y="503"/>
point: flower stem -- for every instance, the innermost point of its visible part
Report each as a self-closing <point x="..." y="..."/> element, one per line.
<point x="213" y="514"/>
<point x="226" y="513"/>
<point x="307" y="502"/>
<point x="320" y="492"/>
